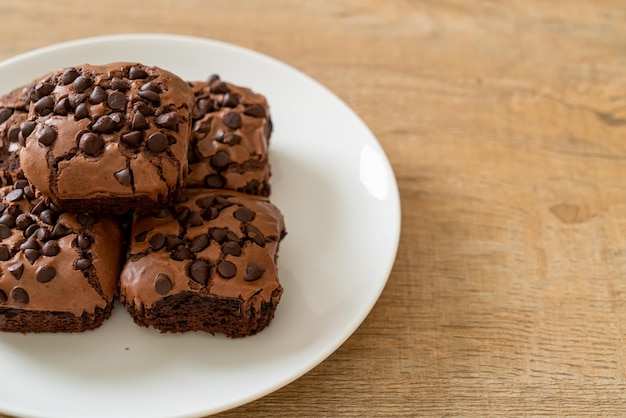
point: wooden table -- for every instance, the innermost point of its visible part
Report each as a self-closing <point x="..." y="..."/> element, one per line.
<point x="505" y="123"/>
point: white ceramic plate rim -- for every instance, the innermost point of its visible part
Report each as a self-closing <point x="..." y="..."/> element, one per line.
<point x="350" y="190"/>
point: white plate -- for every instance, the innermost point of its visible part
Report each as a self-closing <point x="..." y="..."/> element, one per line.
<point x="337" y="191"/>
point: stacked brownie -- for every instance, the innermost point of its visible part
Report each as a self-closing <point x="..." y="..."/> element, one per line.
<point x="102" y="161"/>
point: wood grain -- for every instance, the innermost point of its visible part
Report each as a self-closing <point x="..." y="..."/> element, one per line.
<point x="505" y="123"/>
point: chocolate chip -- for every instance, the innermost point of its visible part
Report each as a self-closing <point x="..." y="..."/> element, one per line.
<point x="14" y="134"/>
<point x="4" y="253"/>
<point x="118" y="84"/>
<point x="232" y="120"/>
<point x="141" y="237"/>
<point x="23" y="221"/>
<point x="220" y="159"/>
<point x="230" y="100"/>
<point x="46" y="135"/>
<point x="31" y="255"/>
<point x="132" y="138"/>
<point x="14" y="210"/>
<point x="256" y="111"/>
<point x="104" y="124"/>
<point x="162" y="284"/>
<point x="45" y="273"/>
<point x="3" y="296"/>
<point x="61" y="107"/>
<point x="253" y="272"/>
<point x="150" y="96"/>
<point x="231" y="236"/>
<point x="157" y="241"/>
<point x="244" y="214"/>
<point x="5" y="113"/>
<point x="137" y="73"/>
<point x="232" y="248"/>
<point x="91" y="144"/>
<point x="15" y="195"/>
<point x="60" y="230"/>
<point x="43" y="89"/>
<point x="82" y="264"/>
<point x="124" y="176"/>
<point x="44" y="106"/>
<point x="19" y="296"/>
<point x="199" y="243"/>
<point x="210" y="214"/>
<point x="81" y="83"/>
<point x="167" y="120"/>
<point x="48" y="216"/>
<point x="42" y="234"/>
<point x="157" y="142"/>
<point x="81" y="112"/>
<point x="30" y="244"/>
<point x="181" y="253"/>
<point x="86" y="220"/>
<point x="83" y="241"/>
<point x="69" y="76"/>
<point x="16" y="269"/>
<point x="75" y="99"/>
<point x="8" y="220"/>
<point x="205" y="202"/>
<point x="231" y="139"/>
<point x="30" y="230"/>
<point x="117" y="100"/>
<point x="139" y="122"/>
<point x="194" y="219"/>
<point x="50" y="249"/>
<point x="162" y="213"/>
<point x="255" y="235"/>
<point x="29" y="193"/>
<point x="142" y="108"/>
<point x="226" y="269"/>
<point x="27" y="128"/>
<point x="220" y="88"/>
<point x="218" y="234"/>
<point x="181" y="214"/>
<point x="173" y="242"/>
<point x="200" y="271"/>
<point x="214" y="181"/>
<point x="98" y="95"/>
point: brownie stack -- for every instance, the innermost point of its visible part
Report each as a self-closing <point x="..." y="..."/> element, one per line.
<point x="104" y="161"/>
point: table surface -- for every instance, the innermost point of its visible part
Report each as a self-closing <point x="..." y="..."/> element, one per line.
<point x="505" y="124"/>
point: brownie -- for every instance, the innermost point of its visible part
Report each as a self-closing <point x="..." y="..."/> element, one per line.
<point x="108" y="138"/>
<point x="230" y="138"/>
<point x="58" y="271"/>
<point x="13" y="112"/>
<point x="206" y="264"/>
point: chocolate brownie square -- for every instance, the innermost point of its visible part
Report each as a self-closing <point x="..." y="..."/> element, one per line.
<point x="13" y="113"/>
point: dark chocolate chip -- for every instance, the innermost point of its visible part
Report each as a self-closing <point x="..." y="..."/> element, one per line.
<point x="27" y="128"/>
<point x="181" y="214"/>
<point x="43" y="89"/>
<point x="61" y="108"/>
<point x="124" y="176"/>
<point x="232" y="120"/>
<point x="157" y="142"/>
<point x="45" y="273"/>
<point x="19" y="296"/>
<point x="104" y="124"/>
<point x="48" y="216"/>
<point x="42" y="234"/>
<point x="60" y="230"/>
<point x="46" y="135"/>
<point x="141" y="237"/>
<point x="3" y="296"/>
<point x="44" y="106"/>
<point x="210" y="214"/>
<point x="194" y="219"/>
<point x="173" y="242"/>
<point x="214" y="181"/>
<point x="139" y="122"/>
<point x="117" y="100"/>
<point x="83" y="241"/>
<point x="231" y="139"/>
<point x="255" y="235"/>
<point x="98" y="95"/>
<point x="142" y="108"/>
<point x="220" y="159"/>
<point x="162" y="284"/>
<point x="132" y="138"/>
<point x="30" y="244"/>
<point x="151" y="86"/>
<point x="137" y="73"/>
<point x="23" y="221"/>
<point x="5" y="113"/>
<point x="200" y="271"/>
<point x="157" y="241"/>
<point x="167" y="120"/>
<point x="82" y="264"/>
<point x="81" y="112"/>
<point x="150" y="96"/>
<point x="91" y="144"/>
<point x="14" y="134"/>
<point x="181" y="253"/>
<point x="15" y="195"/>
<point x="31" y="255"/>
<point x="232" y="248"/>
<point x="218" y="234"/>
<point x="14" y="210"/>
<point x="220" y="88"/>
<point x="75" y="99"/>
<point x="86" y="220"/>
<point x="16" y="269"/>
<point x="244" y="214"/>
<point x="226" y="269"/>
<point x="199" y="243"/>
<point x="213" y="78"/>
<point x="69" y="76"/>
<point x="8" y="220"/>
<point x="231" y="236"/>
<point x="30" y="230"/>
<point x="50" y="248"/>
<point x="162" y="213"/>
<point x="253" y="272"/>
<point x="230" y="100"/>
<point x="4" y="253"/>
<point x="205" y="202"/>
<point x="256" y="111"/>
<point x="81" y="83"/>
<point x="29" y="193"/>
<point x="119" y="84"/>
